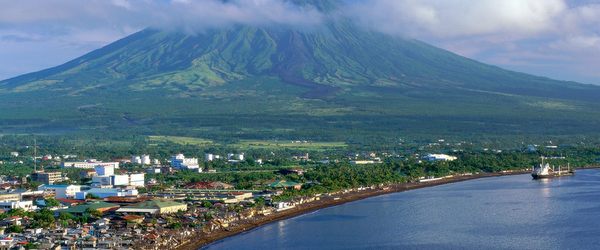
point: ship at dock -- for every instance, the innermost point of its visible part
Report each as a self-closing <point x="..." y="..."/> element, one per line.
<point x="544" y="170"/>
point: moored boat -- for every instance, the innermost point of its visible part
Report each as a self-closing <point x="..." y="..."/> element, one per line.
<point x="545" y="171"/>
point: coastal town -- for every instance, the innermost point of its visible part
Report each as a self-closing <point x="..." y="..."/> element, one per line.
<point x="146" y="202"/>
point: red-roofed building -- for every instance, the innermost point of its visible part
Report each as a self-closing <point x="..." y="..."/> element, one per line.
<point x="5" y="186"/>
<point x="134" y="218"/>
<point x="125" y="199"/>
<point x="6" y="242"/>
<point x="69" y="202"/>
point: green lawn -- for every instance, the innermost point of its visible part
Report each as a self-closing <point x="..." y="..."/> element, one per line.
<point x="180" y="140"/>
<point x="289" y="144"/>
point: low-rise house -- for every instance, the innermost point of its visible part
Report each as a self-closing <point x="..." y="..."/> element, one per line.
<point x="70" y="202"/>
<point x="10" y="196"/>
<point x="7" y="242"/>
<point x="6" y="186"/>
<point x="134" y="218"/>
<point x="153" y="170"/>
<point x="297" y="171"/>
<point x="12" y="221"/>
<point x="33" y="231"/>
<point x="283" y="205"/>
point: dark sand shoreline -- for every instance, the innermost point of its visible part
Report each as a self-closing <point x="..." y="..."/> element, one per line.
<point x="206" y="239"/>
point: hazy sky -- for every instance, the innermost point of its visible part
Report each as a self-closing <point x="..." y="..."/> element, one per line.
<point x="555" y="38"/>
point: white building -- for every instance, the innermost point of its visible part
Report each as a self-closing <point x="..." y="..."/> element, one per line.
<point x="439" y="157"/>
<point x="10" y="205"/>
<point x="153" y="170"/>
<point x="120" y="180"/>
<point x="61" y="191"/>
<point x="145" y="160"/>
<point x="102" y="181"/>
<point x="105" y="170"/>
<point x="136" y="159"/>
<point x="209" y="157"/>
<point x="89" y="164"/>
<point x="532" y="148"/>
<point x="106" y="192"/>
<point x="180" y="162"/>
<point x="235" y="157"/>
<point x="136" y="180"/>
<point x="363" y="162"/>
<point x="14" y="154"/>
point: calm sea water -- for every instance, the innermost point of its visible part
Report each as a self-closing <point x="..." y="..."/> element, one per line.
<point x="511" y="212"/>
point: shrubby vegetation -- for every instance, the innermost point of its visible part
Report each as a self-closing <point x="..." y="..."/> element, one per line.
<point x="401" y="163"/>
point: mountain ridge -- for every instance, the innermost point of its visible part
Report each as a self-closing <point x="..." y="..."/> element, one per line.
<point x="294" y="62"/>
<point x="328" y="74"/>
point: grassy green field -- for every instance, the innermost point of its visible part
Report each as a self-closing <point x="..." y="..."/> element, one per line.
<point x="250" y="144"/>
<point x="298" y="145"/>
<point x="180" y="140"/>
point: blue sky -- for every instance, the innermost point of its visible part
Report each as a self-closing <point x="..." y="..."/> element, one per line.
<point x="555" y="38"/>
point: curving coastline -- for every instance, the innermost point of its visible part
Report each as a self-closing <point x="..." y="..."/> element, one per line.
<point x="205" y="239"/>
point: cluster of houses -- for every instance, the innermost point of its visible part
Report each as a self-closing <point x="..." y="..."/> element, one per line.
<point x="117" y="215"/>
<point x="125" y="218"/>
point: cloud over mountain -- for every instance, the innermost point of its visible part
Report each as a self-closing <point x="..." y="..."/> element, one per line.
<point x="512" y="33"/>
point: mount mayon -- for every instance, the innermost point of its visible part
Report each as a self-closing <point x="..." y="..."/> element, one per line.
<point x="279" y="81"/>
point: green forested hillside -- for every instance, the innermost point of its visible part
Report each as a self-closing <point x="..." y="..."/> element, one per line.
<point x="335" y="81"/>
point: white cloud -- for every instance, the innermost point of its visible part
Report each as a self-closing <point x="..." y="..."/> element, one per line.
<point x="164" y="13"/>
<point x="72" y="27"/>
<point x="557" y="38"/>
<point x="452" y="18"/>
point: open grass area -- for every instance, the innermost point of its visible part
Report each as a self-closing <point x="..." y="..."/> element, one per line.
<point x="180" y="140"/>
<point x="300" y="145"/>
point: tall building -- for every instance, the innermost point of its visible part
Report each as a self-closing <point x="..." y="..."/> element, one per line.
<point x="61" y="191"/>
<point x="136" y="180"/>
<point x="180" y="162"/>
<point x="132" y="179"/>
<point x="105" y="170"/>
<point x="136" y="159"/>
<point x="47" y="177"/>
<point x="145" y="160"/>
